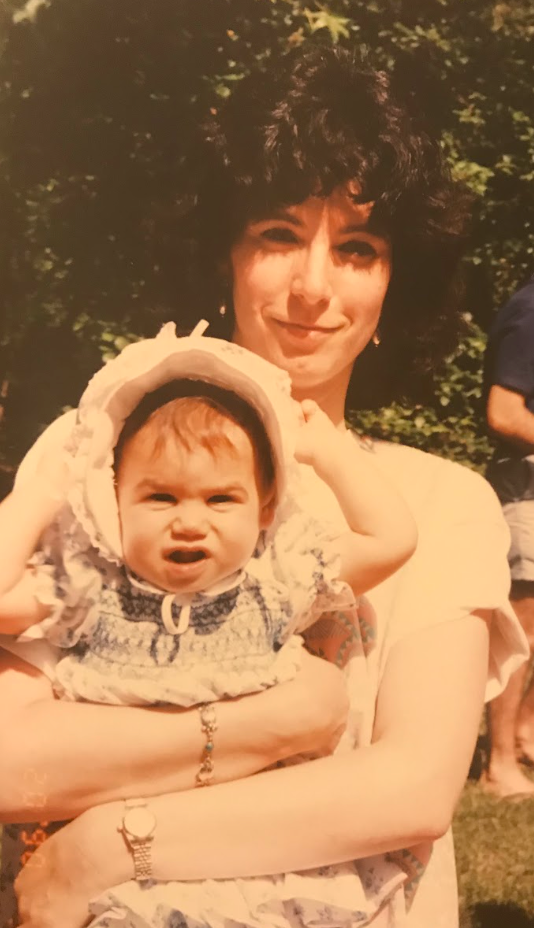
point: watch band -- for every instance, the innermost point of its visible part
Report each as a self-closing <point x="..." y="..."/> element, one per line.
<point x="137" y="828"/>
<point x="142" y="858"/>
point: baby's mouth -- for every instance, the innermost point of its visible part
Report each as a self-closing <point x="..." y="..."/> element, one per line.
<point x="183" y="556"/>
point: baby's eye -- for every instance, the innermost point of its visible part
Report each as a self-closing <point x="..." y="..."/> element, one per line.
<point x="279" y="234"/>
<point x="162" y="498"/>
<point x="221" y="498"/>
<point x="357" y="247"/>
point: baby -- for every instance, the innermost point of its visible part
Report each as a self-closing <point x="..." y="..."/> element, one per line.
<point x="177" y="568"/>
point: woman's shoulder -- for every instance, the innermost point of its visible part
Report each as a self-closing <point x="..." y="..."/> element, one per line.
<point x="428" y="480"/>
<point x="403" y="458"/>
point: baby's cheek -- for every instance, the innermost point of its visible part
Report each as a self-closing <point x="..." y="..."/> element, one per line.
<point x="133" y="546"/>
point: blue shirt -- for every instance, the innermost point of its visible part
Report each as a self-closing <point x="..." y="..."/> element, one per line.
<point x="509" y="361"/>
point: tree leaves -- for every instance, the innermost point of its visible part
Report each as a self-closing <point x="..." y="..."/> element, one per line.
<point x="97" y="101"/>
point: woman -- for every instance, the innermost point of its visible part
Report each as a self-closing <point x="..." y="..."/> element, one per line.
<point x="322" y="208"/>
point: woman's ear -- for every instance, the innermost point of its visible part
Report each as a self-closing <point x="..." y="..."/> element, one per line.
<point x="224" y="270"/>
<point x="224" y="273"/>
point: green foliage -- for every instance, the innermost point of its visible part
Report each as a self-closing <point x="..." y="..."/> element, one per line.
<point x="98" y="101"/>
<point x="451" y="425"/>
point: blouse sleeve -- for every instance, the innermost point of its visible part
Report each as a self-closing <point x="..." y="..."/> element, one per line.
<point x="63" y="576"/>
<point x="65" y="579"/>
<point x="460" y="566"/>
<point x="306" y="559"/>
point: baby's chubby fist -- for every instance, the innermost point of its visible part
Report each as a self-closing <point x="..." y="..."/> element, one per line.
<point x="317" y="435"/>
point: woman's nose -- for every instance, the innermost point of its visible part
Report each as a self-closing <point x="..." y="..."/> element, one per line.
<point x="311" y="279"/>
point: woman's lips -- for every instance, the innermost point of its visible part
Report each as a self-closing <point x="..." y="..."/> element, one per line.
<point x="298" y="338"/>
<point x="301" y="330"/>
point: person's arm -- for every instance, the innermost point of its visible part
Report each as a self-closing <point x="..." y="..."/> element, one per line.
<point x="383" y="533"/>
<point x="81" y="754"/>
<point x="395" y="793"/>
<point x="24" y="515"/>
<point x="509" y="417"/>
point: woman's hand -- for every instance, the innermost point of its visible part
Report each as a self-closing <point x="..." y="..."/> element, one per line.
<point x="320" y="705"/>
<point x="49" y="891"/>
<point x="64" y="873"/>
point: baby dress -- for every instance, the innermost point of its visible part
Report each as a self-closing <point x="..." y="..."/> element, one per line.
<point x="132" y="644"/>
<point x="129" y="643"/>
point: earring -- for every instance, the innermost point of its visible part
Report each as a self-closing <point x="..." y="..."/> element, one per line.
<point x="222" y="309"/>
<point x="376" y="338"/>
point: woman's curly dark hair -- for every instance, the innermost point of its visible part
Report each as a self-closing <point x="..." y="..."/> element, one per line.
<point x="317" y="119"/>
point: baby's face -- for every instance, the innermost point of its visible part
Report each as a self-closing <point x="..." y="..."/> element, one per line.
<point x="188" y="519"/>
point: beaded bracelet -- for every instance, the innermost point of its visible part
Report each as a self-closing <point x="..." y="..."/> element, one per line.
<point x="208" y="724"/>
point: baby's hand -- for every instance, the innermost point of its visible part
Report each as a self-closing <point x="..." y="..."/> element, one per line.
<point x="316" y="434"/>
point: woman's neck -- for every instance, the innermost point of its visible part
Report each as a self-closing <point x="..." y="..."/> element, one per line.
<point x="330" y="397"/>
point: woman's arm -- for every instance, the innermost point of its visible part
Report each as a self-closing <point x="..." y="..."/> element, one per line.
<point x="397" y="792"/>
<point x="60" y="758"/>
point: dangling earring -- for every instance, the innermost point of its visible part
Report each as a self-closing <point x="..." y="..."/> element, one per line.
<point x="376" y="338"/>
<point x="222" y="309"/>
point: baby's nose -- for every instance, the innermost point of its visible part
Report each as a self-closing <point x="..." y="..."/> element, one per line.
<point x="189" y="520"/>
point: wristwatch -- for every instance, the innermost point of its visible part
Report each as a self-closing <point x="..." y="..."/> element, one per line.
<point x="137" y="828"/>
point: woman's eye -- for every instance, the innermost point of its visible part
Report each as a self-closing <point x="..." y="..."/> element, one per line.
<point x="162" y="498"/>
<point x="279" y="234"/>
<point x="358" y="248"/>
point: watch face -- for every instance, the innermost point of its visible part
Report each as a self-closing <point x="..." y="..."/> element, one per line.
<point x="139" y="822"/>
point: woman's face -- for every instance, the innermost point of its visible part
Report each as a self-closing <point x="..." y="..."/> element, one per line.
<point x="309" y="283"/>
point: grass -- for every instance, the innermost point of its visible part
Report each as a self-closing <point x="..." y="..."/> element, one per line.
<point x="494" y="841"/>
<point x="495" y="860"/>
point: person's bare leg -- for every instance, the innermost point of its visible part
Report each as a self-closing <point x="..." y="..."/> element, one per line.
<point x="504" y="776"/>
<point x="525" y="725"/>
<point x="525" y="717"/>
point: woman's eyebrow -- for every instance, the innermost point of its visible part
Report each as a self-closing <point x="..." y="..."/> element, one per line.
<point x="285" y="216"/>
<point x="362" y="226"/>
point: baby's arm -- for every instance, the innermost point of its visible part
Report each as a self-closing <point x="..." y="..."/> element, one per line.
<point x="383" y="534"/>
<point x="24" y="515"/>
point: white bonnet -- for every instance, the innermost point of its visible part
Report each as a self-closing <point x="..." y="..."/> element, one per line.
<point x="115" y="391"/>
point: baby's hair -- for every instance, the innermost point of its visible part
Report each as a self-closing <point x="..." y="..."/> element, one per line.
<point x="196" y="413"/>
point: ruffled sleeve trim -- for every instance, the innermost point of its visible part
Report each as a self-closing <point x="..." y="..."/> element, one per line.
<point x="66" y="579"/>
<point x="509" y="649"/>
<point x="304" y="557"/>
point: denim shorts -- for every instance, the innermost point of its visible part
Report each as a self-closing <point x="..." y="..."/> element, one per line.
<point x="513" y="481"/>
